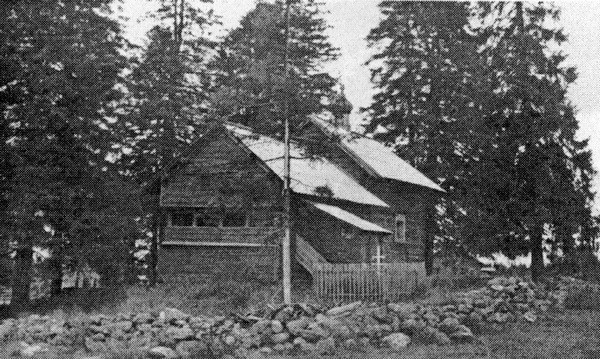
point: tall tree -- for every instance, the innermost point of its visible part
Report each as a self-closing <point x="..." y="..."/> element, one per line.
<point x="536" y="178"/>
<point x="65" y="66"/>
<point x="478" y="101"/>
<point x="168" y="95"/>
<point x="168" y="88"/>
<point x="250" y="79"/>
<point x="427" y="73"/>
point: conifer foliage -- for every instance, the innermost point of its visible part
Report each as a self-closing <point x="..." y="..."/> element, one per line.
<point x="476" y="97"/>
<point x="250" y="83"/>
<point x="168" y="88"/>
<point x="57" y="111"/>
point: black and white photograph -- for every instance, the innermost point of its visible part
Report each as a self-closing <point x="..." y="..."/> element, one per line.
<point x="281" y="179"/>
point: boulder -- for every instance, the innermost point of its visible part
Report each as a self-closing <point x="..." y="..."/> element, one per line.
<point x="191" y="349"/>
<point x="124" y="325"/>
<point x="7" y="327"/>
<point x="143" y="318"/>
<point x="276" y="326"/>
<point x="296" y="326"/>
<point x="176" y="333"/>
<point x="530" y="317"/>
<point x="396" y="341"/>
<point x="28" y="351"/>
<point x="325" y="346"/>
<point x="403" y="310"/>
<point x="441" y="338"/>
<point x="313" y="333"/>
<point x="343" y="309"/>
<point x="172" y="314"/>
<point x="162" y="353"/>
<point x="462" y="334"/>
<point x="449" y="325"/>
<point x="279" y="338"/>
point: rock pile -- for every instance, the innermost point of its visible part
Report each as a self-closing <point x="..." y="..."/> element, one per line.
<point x="292" y="329"/>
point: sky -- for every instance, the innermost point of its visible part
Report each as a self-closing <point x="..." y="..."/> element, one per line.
<point x="351" y="21"/>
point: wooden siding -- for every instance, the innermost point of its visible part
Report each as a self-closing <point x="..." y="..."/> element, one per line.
<point x="220" y="234"/>
<point x="220" y="173"/>
<point x="203" y="263"/>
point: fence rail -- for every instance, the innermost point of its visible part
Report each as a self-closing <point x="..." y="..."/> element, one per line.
<point x="363" y="281"/>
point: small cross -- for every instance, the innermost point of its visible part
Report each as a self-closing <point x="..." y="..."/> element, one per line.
<point x="378" y="257"/>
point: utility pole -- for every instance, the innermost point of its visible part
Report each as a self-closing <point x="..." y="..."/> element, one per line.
<point x="286" y="242"/>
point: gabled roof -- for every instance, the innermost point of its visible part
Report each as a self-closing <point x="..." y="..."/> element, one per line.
<point x="308" y="175"/>
<point x="375" y="157"/>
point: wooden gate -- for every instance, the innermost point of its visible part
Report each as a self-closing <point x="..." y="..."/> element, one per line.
<point x="362" y="281"/>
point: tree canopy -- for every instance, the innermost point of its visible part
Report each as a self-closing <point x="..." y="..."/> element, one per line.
<point x="476" y="97"/>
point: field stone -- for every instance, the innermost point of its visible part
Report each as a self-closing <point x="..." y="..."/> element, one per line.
<point x="179" y="333"/>
<point x="449" y="325"/>
<point x="187" y="348"/>
<point x="162" y="353"/>
<point x="441" y="338"/>
<point x="276" y="326"/>
<point x="343" y="309"/>
<point x="403" y="310"/>
<point x="396" y="341"/>
<point x="530" y="317"/>
<point x="280" y="338"/>
<point x="28" y="351"/>
<point x="325" y="346"/>
<point x="313" y="333"/>
<point x="143" y="318"/>
<point x="463" y="334"/>
<point x="173" y="314"/>
<point x="295" y="326"/>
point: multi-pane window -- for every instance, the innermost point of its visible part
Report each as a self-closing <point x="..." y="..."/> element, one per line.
<point x="182" y="219"/>
<point x="234" y="219"/>
<point x="400" y="228"/>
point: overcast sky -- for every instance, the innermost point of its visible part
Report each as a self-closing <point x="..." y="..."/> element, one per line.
<point x="351" y="21"/>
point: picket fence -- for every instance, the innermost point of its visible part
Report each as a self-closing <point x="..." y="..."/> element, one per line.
<point x="340" y="283"/>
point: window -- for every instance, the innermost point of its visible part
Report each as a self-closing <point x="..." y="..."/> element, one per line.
<point x="400" y="228"/>
<point x="234" y="220"/>
<point x="205" y="220"/>
<point x="182" y="219"/>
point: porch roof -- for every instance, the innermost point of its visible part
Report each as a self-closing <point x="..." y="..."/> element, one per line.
<point x="350" y="218"/>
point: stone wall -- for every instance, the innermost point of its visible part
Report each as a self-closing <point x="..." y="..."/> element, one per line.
<point x="294" y="329"/>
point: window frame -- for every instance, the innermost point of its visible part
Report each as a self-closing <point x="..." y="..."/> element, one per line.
<point x="397" y="238"/>
<point x="182" y="213"/>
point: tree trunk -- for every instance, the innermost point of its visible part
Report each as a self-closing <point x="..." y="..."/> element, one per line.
<point x="156" y="228"/>
<point x="537" y="254"/>
<point x="56" y="262"/>
<point x="21" y="280"/>
<point x="429" y="236"/>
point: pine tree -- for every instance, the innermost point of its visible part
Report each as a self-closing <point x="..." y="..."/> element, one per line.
<point x="535" y="177"/>
<point x="427" y="73"/>
<point x="250" y="82"/>
<point x="66" y="64"/>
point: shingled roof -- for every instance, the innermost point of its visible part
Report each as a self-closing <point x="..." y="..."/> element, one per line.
<point x="308" y="174"/>
<point x="377" y="158"/>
